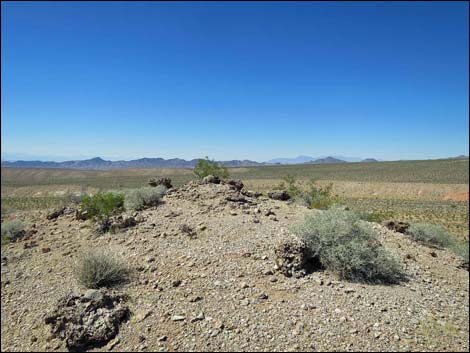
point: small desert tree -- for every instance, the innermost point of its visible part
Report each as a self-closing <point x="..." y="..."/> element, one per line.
<point x="205" y="167"/>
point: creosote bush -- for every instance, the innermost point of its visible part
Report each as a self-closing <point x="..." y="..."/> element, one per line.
<point x="12" y="231"/>
<point x="102" y="205"/>
<point x="99" y="269"/>
<point x="344" y="244"/>
<point x="205" y="167"/>
<point x="139" y="199"/>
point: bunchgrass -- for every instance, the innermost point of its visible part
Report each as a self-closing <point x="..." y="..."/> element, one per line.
<point x="100" y="269"/>
<point x="145" y="197"/>
<point x="12" y="231"/>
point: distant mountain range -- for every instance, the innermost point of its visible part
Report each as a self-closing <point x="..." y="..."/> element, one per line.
<point x="327" y="160"/>
<point x="98" y="163"/>
<point x="309" y="159"/>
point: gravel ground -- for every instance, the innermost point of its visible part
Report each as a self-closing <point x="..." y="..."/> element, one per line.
<point x="217" y="289"/>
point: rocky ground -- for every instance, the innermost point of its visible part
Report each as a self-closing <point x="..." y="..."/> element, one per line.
<point x="205" y="280"/>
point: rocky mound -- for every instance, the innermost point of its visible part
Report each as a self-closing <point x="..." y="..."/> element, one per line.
<point x="210" y="268"/>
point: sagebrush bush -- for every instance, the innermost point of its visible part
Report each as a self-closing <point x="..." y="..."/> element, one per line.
<point x="344" y="244"/>
<point x="12" y="231"/>
<point x="430" y="234"/>
<point x="71" y="198"/>
<point x="139" y="199"/>
<point x="100" y="269"/>
<point x="205" y="167"/>
<point x="434" y="235"/>
<point x="460" y="248"/>
<point x="102" y="205"/>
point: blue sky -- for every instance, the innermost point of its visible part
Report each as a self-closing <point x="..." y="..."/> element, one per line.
<point x="235" y="80"/>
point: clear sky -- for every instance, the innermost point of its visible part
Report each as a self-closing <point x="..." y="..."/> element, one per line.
<point x="235" y="80"/>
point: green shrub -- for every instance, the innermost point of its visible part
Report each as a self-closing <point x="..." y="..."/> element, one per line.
<point x="12" y="231"/>
<point x="315" y="196"/>
<point x="205" y="167"/>
<point x="319" y="197"/>
<point x="139" y="199"/>
<point x="102" y="205"/>
<point x="344" y="244"/>
<point x="289" y="184"/>
<point x="430" y="234"/>
<point x="375" y="216"/>
<point x="97" y="269"/>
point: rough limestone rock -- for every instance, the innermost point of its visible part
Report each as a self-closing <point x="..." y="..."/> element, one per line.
<point x="397" y="226"/>
<point x="80" y="214"/>
<point x="211" y="179"/>
<point x="88" y="320"/>
<point x="160" y="181"/>
<point x="235" y="184"/>
<point x="292" y="256"/>
<point x="122" y="222"/>
<point x="55" y="213"/>
<point x="250" y="193"/>
<point x="279" y="195"/>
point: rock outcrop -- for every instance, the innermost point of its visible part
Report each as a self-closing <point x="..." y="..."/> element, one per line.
<point x="397" y="226"/>
<point x="279" y="195"/>
<point x="160" y="181"/>
<point x="292" y="257"/>
<point x="88" y="320"/>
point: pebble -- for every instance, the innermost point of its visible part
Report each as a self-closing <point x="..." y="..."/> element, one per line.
<point x="178" y="318"/>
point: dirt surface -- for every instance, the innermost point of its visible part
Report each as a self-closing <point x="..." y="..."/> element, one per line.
<point x="218" y="290"/>
<point x="461" y="196"/>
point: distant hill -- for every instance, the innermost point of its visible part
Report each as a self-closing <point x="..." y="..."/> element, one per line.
<point x="296" y="160"/>
<point x="309" y="159"/>
<point x="327" y="160"/>
<point x="98" y="163"/>
<point x="368" y="160"/>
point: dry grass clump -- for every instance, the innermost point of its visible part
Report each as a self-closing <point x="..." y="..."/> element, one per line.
<point x="139" y="199"/>
<point x="12" y="231"/>
<point x="99" y="269"/>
